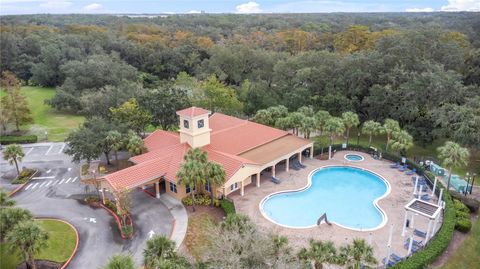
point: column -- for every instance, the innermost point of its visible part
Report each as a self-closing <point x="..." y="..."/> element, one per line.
<point x="440" y="197"/>
<point x="435" y="222"/>
<point x="434" y="186"/>
<point x="311" y="152"/>
<point x="410" y="245"/>
<point x="416" y="186"/>
<point x="157" y="190"/>
<point x="273" y="170"/>
<point x="287" y="164"/>
<point x="103" y="196"/>
<point x="242" y="189"/>
<point x="258" y="180"/>
<point x="429" y="234"/>
<point x="405" y="223"/>
<point x="300" y="157"/>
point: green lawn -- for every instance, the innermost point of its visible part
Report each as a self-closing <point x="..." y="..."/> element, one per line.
<point x="427" y="152"/>
<point x="60" y="245"/>
<point x="57" y="124"/>
<point x="467" y="256"/>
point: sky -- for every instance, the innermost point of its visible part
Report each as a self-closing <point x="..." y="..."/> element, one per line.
<point x="231" y="6"/>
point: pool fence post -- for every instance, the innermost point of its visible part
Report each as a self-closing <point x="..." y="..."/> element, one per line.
<point x="410" y="245"/>
<point x="434" y="186"/>
<point x="405" y="223"/>
<point x="440" y="197"/>
<point x="330" y="152"/>
<point x="416" y="186"/>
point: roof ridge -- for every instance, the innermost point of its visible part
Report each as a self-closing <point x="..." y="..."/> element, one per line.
<point x="238" y="158"/>
<point x="244" y="122"/>
<point x="269" y="141"/>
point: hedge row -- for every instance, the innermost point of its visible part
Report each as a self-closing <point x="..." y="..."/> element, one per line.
<point x="227" y="206"/>
<point x="439" y="243"/>
<point x="12" y="139"/>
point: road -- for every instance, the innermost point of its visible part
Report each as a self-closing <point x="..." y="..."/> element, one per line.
<point x="56" y="192"/>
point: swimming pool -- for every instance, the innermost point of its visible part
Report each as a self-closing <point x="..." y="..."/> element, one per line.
<point x="353" y="157"/>
<point x="348" y="195"/>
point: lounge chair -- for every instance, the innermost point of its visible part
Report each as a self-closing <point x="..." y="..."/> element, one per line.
<point x="420" y="233"/>
<point x="411" y="172"/>
<point x="390" y="262"/>
<point x="275" y="180"/>
<point x="425" y="197"/>
<point x="395" y="257"/>
<point x="402" y="168"/>
<point x="395" y="165"/>
<point x="415" y="242"/>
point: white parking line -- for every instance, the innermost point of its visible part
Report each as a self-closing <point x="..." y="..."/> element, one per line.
<point x="42" y="184"/>
<point x="43" y="177"/>
<point x="48" y="183"/>
<point x="74" y="179"/>
<point x="56" y="181"/>
<point x="28" y="187"/>
<point x="28" y="152"/>
<point x="61" y="181"/>
<point x="68" y="180"/>
<point x="48" y="171"/>
<point x="34" y="186"/>
<point x="50" y="148"/>
<point x="69" y="169"/>
<point x="61" y="150"/>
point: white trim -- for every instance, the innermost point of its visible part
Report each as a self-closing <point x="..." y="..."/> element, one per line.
<point x="375" y="202"/>
<point x="355" y="161"/>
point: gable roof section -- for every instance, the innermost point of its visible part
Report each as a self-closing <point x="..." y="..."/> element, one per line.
<point x="160" y="139"/>
<point x="234" y="136"/>
<point x="192" y="112"/>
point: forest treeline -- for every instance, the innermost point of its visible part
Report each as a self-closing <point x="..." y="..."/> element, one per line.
<point x="422" y="70"/>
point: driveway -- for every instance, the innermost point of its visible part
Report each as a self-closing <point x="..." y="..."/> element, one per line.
<point x="56" y="192"/>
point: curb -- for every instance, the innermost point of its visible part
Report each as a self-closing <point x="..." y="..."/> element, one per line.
<point x="65" y="265"/>
<point x="12" y="193"/>
<point x="117" y="219"/>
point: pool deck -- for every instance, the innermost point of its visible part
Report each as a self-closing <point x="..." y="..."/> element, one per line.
<point x="393" y="205"/>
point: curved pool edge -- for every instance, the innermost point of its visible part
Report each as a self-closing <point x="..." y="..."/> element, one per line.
<point x="354" y="161"/>
<point x="309" y="183"/>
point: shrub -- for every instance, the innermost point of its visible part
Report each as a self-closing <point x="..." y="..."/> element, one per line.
<point x="187" y="201"/>
<point x="127" y="230"/>
<point x="461" y="214"/>
<point x="460" y="207"/>
<point x="111" y="205"/>
<point x="471" y="203"/>
<point x="227" y="206"/>
<point x="463" y="225"/>
<point x="200" y="199"/>
<point x="92" y="199"/>
<point x="13" y="139"/>
<point x="24" y="176"/>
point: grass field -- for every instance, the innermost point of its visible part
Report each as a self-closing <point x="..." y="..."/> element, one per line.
<point x="467" y="256"/>
<point x="57" y="124"/>
<point x="60" y="245"/>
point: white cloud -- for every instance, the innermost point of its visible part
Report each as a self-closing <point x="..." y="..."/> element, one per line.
<point x="250" y="7"/>
<point x="462" y="5"/>
<point x="94" y="7"/>
<point x="55" y="4"/>
<point x="194" y="12"/>
<point x="426" y="9"/>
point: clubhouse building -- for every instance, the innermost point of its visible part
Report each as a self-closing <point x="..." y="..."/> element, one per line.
<point x="245" y="149"/>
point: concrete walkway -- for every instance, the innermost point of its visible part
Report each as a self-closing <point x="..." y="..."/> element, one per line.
<point x="179" y="213"/>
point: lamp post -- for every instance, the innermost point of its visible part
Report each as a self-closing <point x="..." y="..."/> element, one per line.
<point x="468" y="177"/>
<point x="358" y="138"/>
<point x="46" y="135"/>
<point x="473" y="181"/>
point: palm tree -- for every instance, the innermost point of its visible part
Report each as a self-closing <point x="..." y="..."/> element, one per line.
<point x="120" y="261"/>
<point x="115" y="139"/>
<point x="30" y="238"/>
<point x="356" y="255"/>
<point x="192" y="172"/>
<point x="13" y="154"/>
<point x="11" y="216"/>
<point x="350" y="120"/>
<point x="158" y="248"/>
<point x="215" y="175"/>
<point x="371" y="128"/>
<point x="334" y="126"/>
<point x="389" y="127"/>
<point x="401" y="141"/>
<point x="452" y="155"/>
<point x="319" y="253"/>
<point x="5" y="201"/>
<point x="308" y="126"/>
<point x="296" y="119"/>
<point x="135" y="144"/>
<point x="321" y="117"/>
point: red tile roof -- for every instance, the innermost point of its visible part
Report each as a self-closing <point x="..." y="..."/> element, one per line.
<point x="192" y="112"/>
<point x="229" y="137"/>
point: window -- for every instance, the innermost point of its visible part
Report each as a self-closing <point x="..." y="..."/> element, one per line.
<point x="200" y="124"/>
<point x="188" y="189"/>
<point x="173" y="187"/>
<point x="207" y="187"/>
<point x="234" y="186"/>
<point x="185" y="123"/>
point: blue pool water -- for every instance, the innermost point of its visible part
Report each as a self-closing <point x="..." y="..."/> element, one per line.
<point x="346" y="194"/>
<point x="353" y="157"/>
